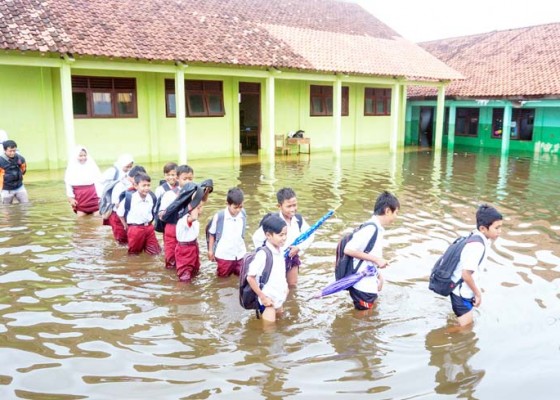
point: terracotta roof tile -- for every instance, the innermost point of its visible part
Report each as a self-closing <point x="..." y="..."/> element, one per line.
<point x="315" y="35"/>
<point x="516" y="63"/>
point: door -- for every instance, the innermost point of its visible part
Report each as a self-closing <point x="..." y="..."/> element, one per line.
<point x="426" y="127"/>
<point x="249" y="117"/>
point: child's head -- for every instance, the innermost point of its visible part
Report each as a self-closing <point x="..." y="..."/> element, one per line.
<point x="124" y="162"/>
<point x="142" y="183"/>
<point x="275" y="230"/>
<point x="137" y="169"/>
<point x="386" y="207"/>
<point x="489" y="221"/>
<point x="10" y="148"/>
<point x="184" y="174"/>
<point x="287" y="202"/>
<point x="235" y="201"/>
<point x="170" y="173"/>
<point x="81" y="154"/>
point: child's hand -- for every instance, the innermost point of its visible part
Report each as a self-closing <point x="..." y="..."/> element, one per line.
<point x="382" y="263"/>
<point x="266" y="301"/>
<point x="211" y="256"/>
<point x="477" y="300"/>
<point x="380" y="282"/>
<point x="294" y="250"/>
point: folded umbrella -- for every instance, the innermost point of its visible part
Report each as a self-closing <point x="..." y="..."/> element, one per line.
<point x="346" y="282"/>
<point x="304" y="235"/>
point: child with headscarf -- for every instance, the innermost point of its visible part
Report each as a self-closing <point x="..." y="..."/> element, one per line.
<point x="82" y="179"/>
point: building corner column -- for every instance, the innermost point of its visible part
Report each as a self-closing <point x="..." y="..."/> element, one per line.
<point x="67" y="105"/>
<point x="337" y="117"/>
<point x="180" y="112"/>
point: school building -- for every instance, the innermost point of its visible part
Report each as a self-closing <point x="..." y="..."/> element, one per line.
<point x="186" y="79"/>
<point x="509" y="99"/>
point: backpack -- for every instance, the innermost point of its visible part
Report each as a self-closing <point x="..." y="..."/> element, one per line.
<point x="127" y="196"/>
<point x="105" y="203"/>
<point x="344" y="264"/>
<point x="220" y="228"/>
<point x="442" y="272"/>
<point x="247" y="297"/>
<point x="159" y="225"/>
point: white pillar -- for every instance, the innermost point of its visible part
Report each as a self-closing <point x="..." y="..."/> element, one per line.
<point x="180" y="113"/>
<point x="337" y="116"/>
<point x="506" y="128"/>
<point x="270" y="117"/>
<point x="67" y="107"/>
<point x="440" y="116"/>
<point x="395" y="117"/>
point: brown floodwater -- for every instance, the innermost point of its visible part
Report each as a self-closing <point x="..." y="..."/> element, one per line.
<point x="79" y="318"/>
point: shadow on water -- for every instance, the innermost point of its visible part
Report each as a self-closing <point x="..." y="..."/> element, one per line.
<point x="81" y="319"/>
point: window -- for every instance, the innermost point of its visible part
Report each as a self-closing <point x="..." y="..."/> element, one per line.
<point x="522" y="120"/>
<point x="321" y="98"/>
<point x="102" y="97"/>
<point x="466" y="122"/>
<point x="203" y="98"/>
<point x="377" y="101"/>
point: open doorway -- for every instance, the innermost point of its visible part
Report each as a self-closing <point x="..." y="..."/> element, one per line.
<point x="426" y="127"/>
<point x="249" y="117"/>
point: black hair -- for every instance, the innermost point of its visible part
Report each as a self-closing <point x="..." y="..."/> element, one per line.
<point x="184" y="169"/>
<point x="137" y="169"/>
<point x="170" y="166"/>
<point x="384" y="200"/>
<point x="285" y="194"/>
<point x="9" y="144"/>
<point x="142" y="177"/>
<point x="235" y="196"/>
<point x="486" y="215"/>
<point x="273" y="224"/>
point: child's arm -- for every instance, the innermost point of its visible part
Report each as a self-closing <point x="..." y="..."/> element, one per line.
<point x="380" y="281"/>
<point x="360" y="255"/>
<point x="211" y="240"/>
<point x="252" y="281"/>
<point x="468" y="279"/>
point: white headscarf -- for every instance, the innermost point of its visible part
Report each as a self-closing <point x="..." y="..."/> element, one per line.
<point x="78" y="174"/>
<point x="3" y="137"/>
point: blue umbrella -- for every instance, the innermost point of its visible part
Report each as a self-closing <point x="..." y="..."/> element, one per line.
<point x="302" y="237"/>
<point x="346" y="282"/>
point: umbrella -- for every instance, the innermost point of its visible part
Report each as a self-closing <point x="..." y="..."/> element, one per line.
<point x="303" y="236"/>
<point x="346" y="282"/>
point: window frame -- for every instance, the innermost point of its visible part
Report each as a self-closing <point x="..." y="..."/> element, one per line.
<point x="109" y="85"/>
<point x="517" y="116"/>
<point x="206" y="89"/>
<point x="324" y="93"/>
<point x="377" y="96"/>
<point x="469" y="114"/>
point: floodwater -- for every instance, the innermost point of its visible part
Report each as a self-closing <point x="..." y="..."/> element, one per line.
<point x="79" y="319"/>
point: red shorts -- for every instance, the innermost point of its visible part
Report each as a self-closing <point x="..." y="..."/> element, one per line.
<point x="169" y="245"/>
<point x="187" y="259"/>
<point x="118" y="229"/>
<point x="228" y="267"/>
<point x="142" y="238"/>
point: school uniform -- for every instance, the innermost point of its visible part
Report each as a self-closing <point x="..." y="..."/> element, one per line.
<point x="164" y="188"/>
<point x="119" y="233"/>
<point x="365" y="291"/>
<point x="11" y="179"/>
<point x="141" y="234"/>
<point x="473" y="256"/>
<point x="82" y="182"/>
<point x="230" y="249"/>
<point x="276" y="288"/>
<point x="169" y="231"/>
<point x="293" y="232"/>
<point x="187" y="254"/>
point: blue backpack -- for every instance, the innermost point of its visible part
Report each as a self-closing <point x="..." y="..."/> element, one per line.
<point x="220" y="228"/>
<point x="105" y="203"/>
<point x="442" y="272"/>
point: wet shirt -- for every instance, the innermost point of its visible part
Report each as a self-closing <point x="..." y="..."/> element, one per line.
<point x="276" y="289"/>
<point x="140" y="209"/>
<point x="470" y="257"/>
<point x="186" y="233"/>
<point x="231" y="245"/>
<point x="359" y="242"/>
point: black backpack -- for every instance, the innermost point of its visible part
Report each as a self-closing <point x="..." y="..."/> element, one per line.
<point x="442" y="272"/>
<point x="159" y="225"/>
<point x="247" y="297"/>
<point x="127" y="197"/>
<point x="344" y="264"/>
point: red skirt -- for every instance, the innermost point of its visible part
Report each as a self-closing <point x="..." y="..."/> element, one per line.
<point x="187" y="260"/>
<point x="169" y="245"/>
<point x="86" y="199"/>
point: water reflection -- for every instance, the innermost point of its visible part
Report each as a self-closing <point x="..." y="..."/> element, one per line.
<point x="450" y="353"/>
<point x="80" y="318"/>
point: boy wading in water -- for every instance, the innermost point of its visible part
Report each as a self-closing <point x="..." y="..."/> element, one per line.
<point x="467" y="295"/>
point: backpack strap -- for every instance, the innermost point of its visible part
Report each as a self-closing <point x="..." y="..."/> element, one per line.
<point x="155" y="204"/>
<point x="128" y="199"/>
<point x="369" y="245"/>
<point x="472" y="239"/>
<point x="219" y="227"/>
<point x="299" y="220"/>
<point x="267" y="266"/>
<point x="244" y="219"/>
<point x="115" y="177"/>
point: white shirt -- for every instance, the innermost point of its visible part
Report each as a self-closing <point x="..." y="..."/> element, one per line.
<point x="293" y="232"/>
<point x="359" y="242"/>
<point x="166" y="199"/>
<point x="160" y="190"/>
<point x="276" y="289"/>
<point x="184" y="233"/>
<point x="231" y="245"/>
<point x="470" y="257"/>
<point x="140" y="209"/>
